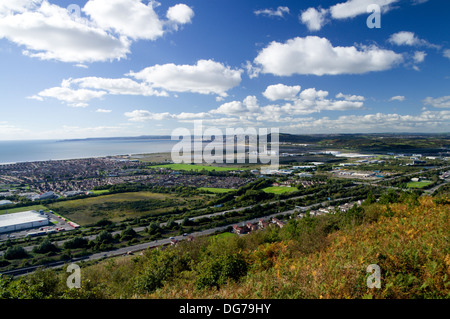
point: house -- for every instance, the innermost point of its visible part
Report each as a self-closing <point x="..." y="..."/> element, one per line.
<point x="240" y="230"/>
<point x="262" y="223"/>
<point x="278" y="222"/>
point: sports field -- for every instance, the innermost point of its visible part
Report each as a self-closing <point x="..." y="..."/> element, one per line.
<point x="217" y="190"/>
<point x="418" y="184"/>
<point x="279" y="189"/>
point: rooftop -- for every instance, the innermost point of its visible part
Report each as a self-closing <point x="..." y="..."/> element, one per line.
<point x="19" y="218"/>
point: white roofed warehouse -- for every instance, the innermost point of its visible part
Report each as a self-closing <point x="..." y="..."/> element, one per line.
<point x="24" y="220"/>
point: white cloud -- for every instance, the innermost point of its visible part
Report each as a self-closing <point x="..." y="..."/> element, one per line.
<point x="281" y="92"/>
<point x="121" y="86"/>
<point x="273" y="13"/>
<point x="50" y="32"/>
<point x="313" y="18"/>
<point x="78" y="92"/>
<point x="399" y="98"/>
<point x="130" y="18"/>
<point x="143" y="115"/>
<point x="103" y="111"/>
<point x="419" y="56"/>
<point x="410" y="39"/>
<point x="353" y="8"/>
<point x="447" y="53"/>
<point x="440" y="102"/>
<point x="205" y="77"/>
<point x="73" y="97"/>
<point x="180" y="14"/>
<point x="252" y="71"/>
<point x="405" y="38"/>
<point x="427" y="121"/>
<point x="349" y="97"/>
<point x="315" y="55"/>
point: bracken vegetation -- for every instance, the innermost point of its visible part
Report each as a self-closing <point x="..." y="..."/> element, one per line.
<point x="314" y="257"/>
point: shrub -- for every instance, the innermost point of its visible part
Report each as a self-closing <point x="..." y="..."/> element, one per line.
<point x="15" y="252"/>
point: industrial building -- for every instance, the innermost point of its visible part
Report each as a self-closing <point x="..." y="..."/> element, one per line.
<point x="24" y="220"/>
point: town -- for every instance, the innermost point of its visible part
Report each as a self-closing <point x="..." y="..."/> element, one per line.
<point x="147" y="201"/>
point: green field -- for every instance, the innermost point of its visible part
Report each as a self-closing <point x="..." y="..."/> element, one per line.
<point x="117" y="207"/>
<point x="100" y="192"/>
<point x="279" y="189"/>
<point x="418" y="184"/>
<point x="217" y="190"/>
<point x="23" y="209"/>
<point x="189" y="167"/>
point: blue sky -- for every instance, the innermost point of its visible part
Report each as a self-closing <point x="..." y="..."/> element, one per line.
<point x="100" y="68"/>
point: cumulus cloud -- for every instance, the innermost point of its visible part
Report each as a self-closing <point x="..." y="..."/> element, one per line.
<point x="440" y="102"/>
<point x="78" y="92"/>
<point x="419" y="56"/>
<point x="350" y="97"/>
<point x="313" y="18"/>
<point x="205" y="77"/>
<point x="399" y="98"/>
<point x="379" y="122"/>
<point x="106" y="32"/>
<point x="405" y="38"/>
<point x="279" y="12"/>
<point x="73" y="97"/>
<point x="180" y="14"/>
<point x="408" y="38"/>
<point x="281" y="92"/>
<point x="120" y="86"/>
<point x="353" y="8"/>
<point x="315" y="55"/>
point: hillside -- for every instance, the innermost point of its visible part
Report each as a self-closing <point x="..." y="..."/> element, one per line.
<point x="314" y="257"/>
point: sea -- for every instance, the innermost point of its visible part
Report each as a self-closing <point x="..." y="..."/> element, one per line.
<point x="45" y="150"/>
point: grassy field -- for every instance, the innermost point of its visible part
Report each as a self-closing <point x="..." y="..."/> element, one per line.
<point x="117" y="207"/>
<point x="279" y="189"/>
<point x="418" y="184"/>
<point x="189" y="167"/>
<point x="23" y="209"/>
<point x="216" y="190"/>
<point x="100" y="192"/>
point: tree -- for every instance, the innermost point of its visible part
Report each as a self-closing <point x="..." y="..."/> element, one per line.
<point x="154" y="228"/>
<point x="15" y="252"/>
<point x="77" y="242"/>
<point x="45" y="246"/>
<point x="104" y="237"/>
<point x="128" y="234"/>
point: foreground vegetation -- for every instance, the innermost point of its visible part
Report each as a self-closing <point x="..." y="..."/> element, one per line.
<point x="312" y="257"/>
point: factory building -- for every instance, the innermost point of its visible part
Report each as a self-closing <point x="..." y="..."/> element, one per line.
<point x="24" y="220"/>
